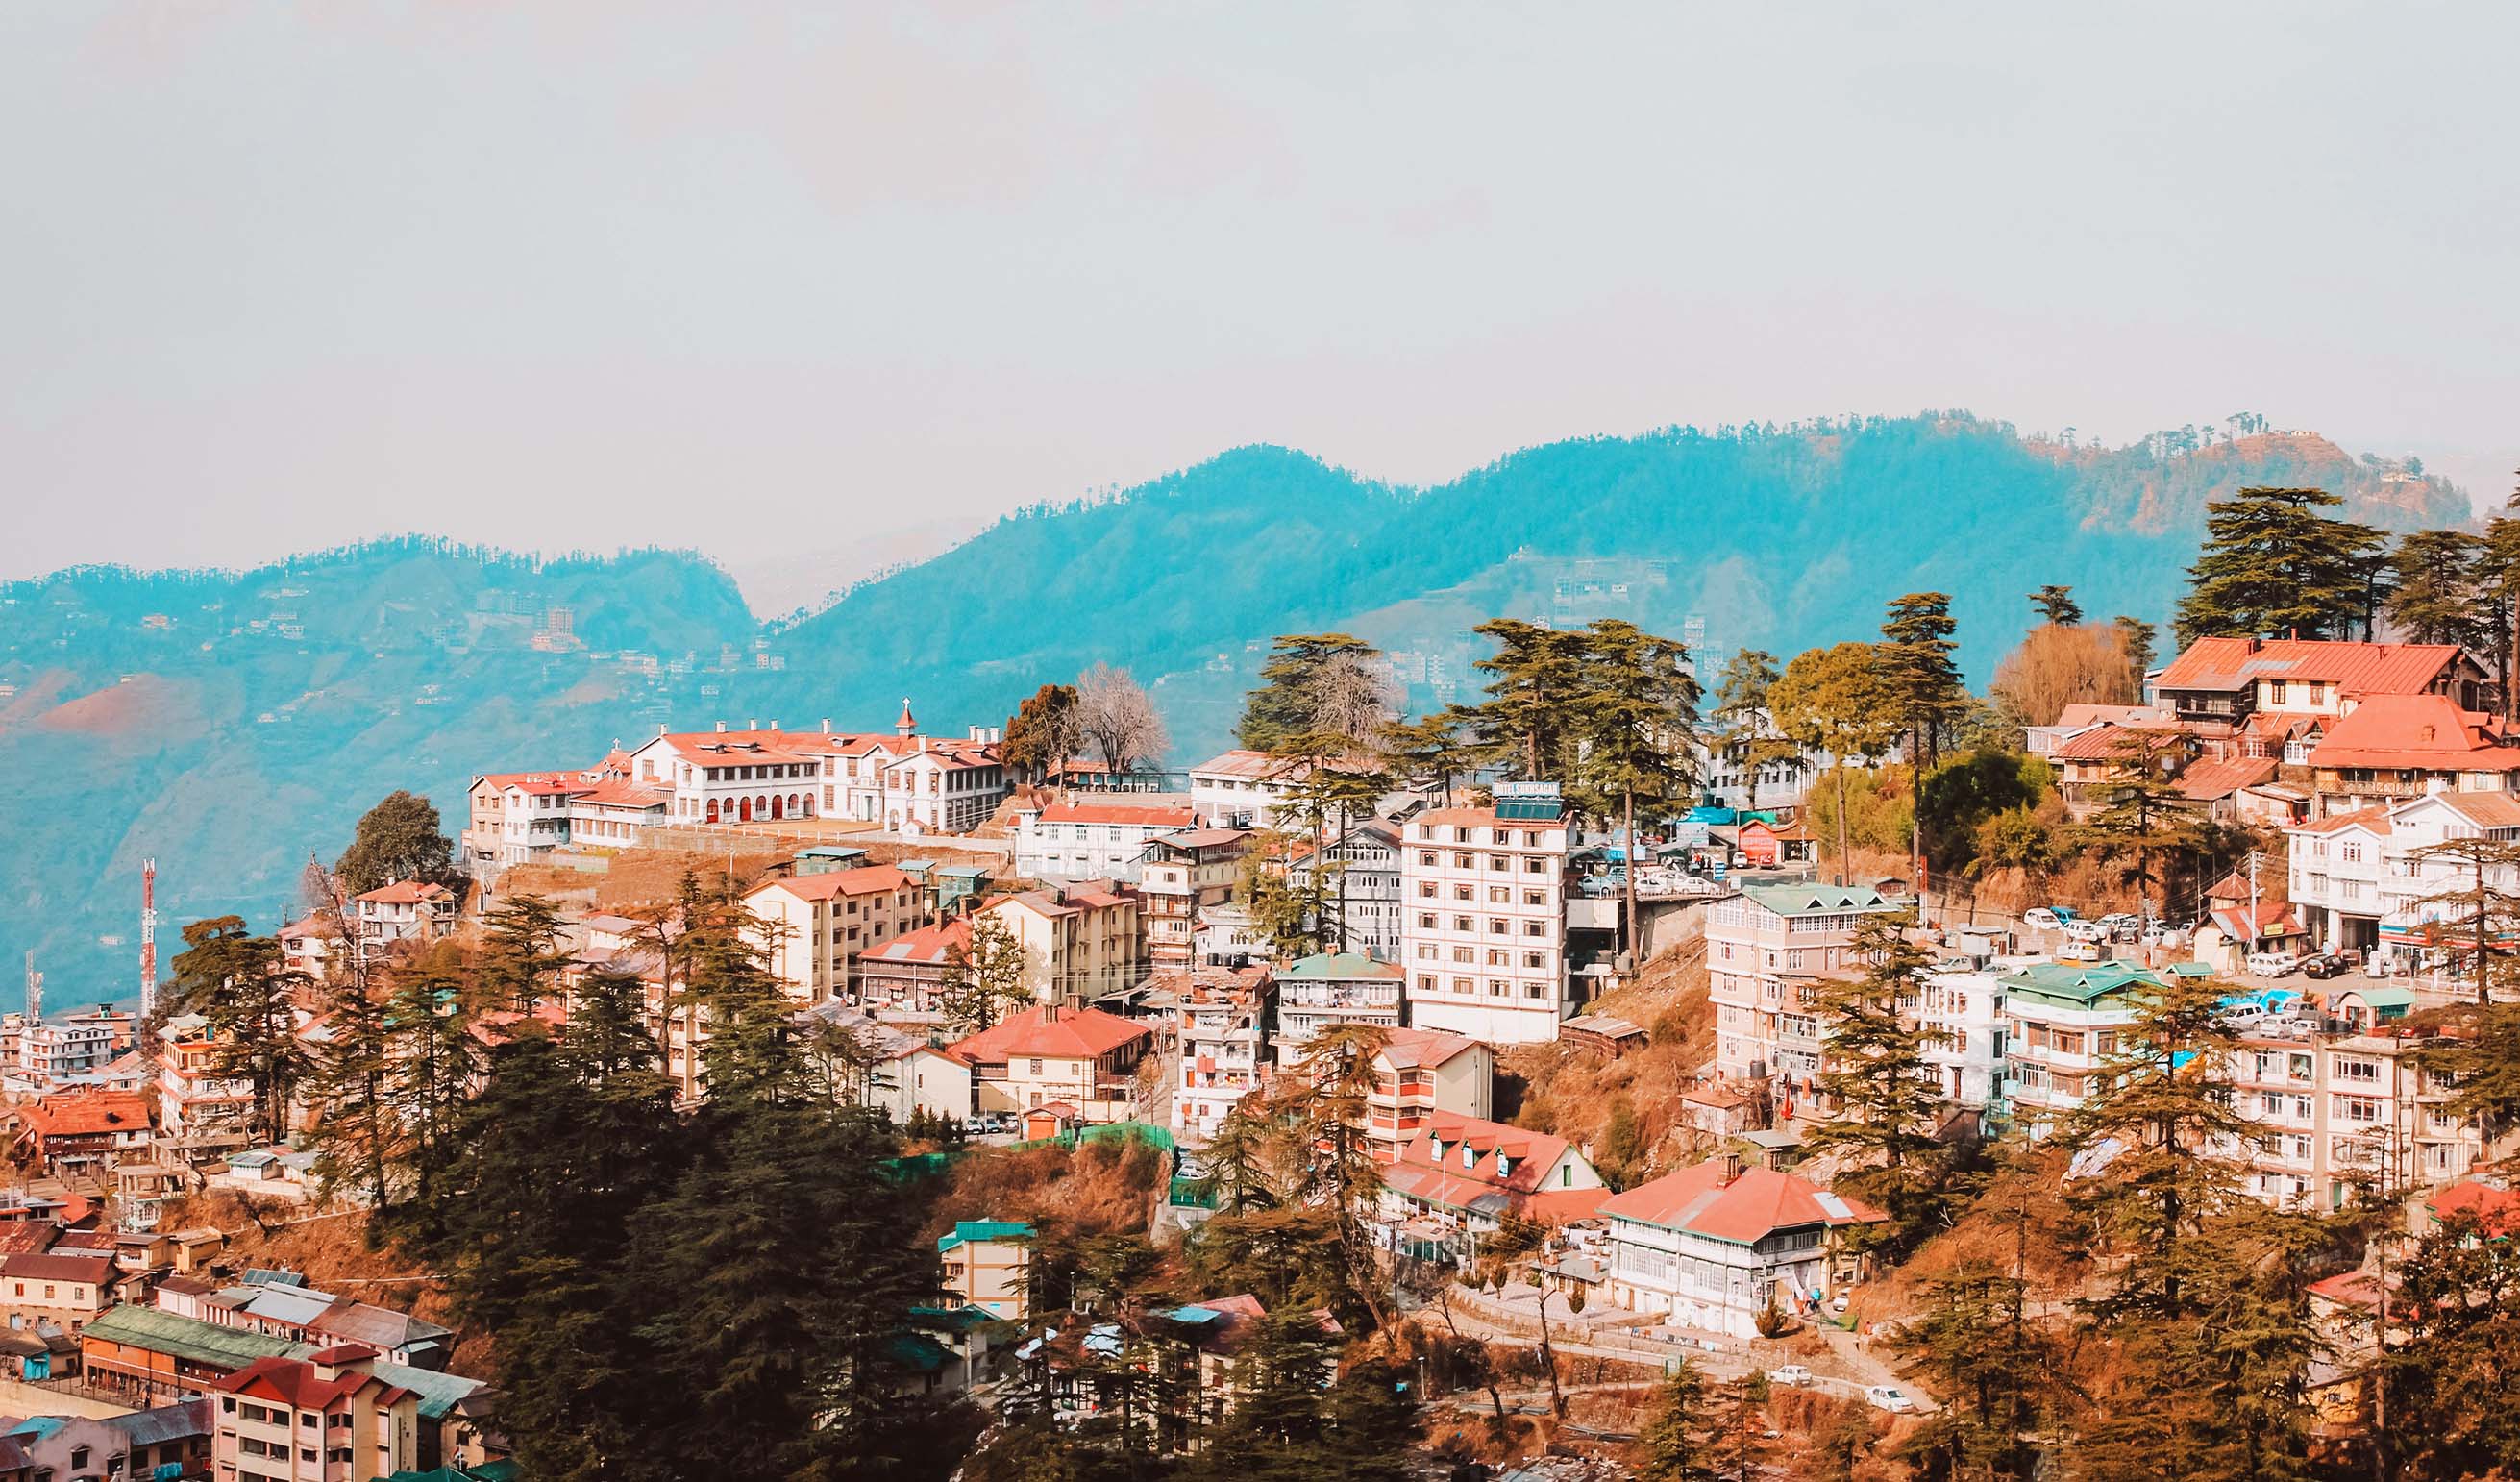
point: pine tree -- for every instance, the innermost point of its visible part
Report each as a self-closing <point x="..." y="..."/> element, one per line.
<point x="1529" y="720"/>
<point x="1638" y="709"/>
<point x="355" y="1133"/>
<point x="243" y="986"/>
<point x="2484" y="914"/>
<point x="1740" y="1433"/>
<point x="571" y="1139"/>
<point x="1239" y="1167"/>
<point x="1883" y="1088"/>
<point x="2450" y="1374"/>
<point x="1925" y="689"/>
<point x="1313" y="685"/>
<point x="2273" y="566"/>
<point x="984" y="977"/>
<point x="778" y="1245"/>
<point x="2056" y="606"/>
<point x="524" y="950"/>
<point x="2438" y="596"/>
<point x="2140" y="651"/>
<point x="2143" y="814"/>
<point x="433" y="1062"/>
<point x="1971" y="1336"/>
<point x="1674" y="1439"/>
<point x="1328" y="799"/>
<point x="1433" y="751"/>
<point x="1329" y="1103"/>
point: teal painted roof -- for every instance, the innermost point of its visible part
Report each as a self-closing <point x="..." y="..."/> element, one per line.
<point x="1339" y="965"/>
<point x="185" y="1337"/>
<point x="1816" y="900"/>
<point x="2078" y="982"/>
<point x="961" y="1319"/>
<point x="439" y="1393"/>
<point x="968" y="1231"/>
<point x="2385" y="996"/>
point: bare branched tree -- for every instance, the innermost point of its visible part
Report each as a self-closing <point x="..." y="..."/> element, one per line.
<point x="1118" y="717"/>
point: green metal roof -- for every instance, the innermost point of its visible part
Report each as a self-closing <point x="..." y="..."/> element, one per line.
<point x="1339" y="965"/>
<point x="189" y="1338"/>
<point x="2082" y="983"/>
<point x="969" y="1231"/>
<point x="439" y="1393"/>
<point x="961" y="1319"/>
<point x="2384" y="995"/>
<point x="1816" y="900"/>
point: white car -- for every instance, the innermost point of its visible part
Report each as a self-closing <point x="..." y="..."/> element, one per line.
<point x="2271" y="964"/>
<point x="1791" y="1375"/>
<point x="2039" y="918"/>
<point x="2085" y="931"/>
<point x="1889" y="1397"/>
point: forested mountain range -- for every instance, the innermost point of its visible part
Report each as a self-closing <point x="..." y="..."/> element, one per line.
<point x="231" y="722"/>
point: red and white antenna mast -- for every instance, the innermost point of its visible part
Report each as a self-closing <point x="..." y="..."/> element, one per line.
<point x="148" y="938"/>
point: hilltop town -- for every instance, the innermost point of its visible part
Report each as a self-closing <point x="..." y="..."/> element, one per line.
<point x="1637" y="1068"/>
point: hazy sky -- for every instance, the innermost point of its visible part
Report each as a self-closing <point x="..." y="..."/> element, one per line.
<point x="784" y="280"/>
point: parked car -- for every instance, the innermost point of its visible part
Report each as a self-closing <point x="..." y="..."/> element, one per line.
<point x="2324" y="965"/>
<point x="2085" y="931"/>
<point x="2117" y="918"/>
<point x="2079" y="951"/>
<point x="2244" y="1015"/>
<point x="1889" y="1397"/>
<point x="974" y="1126"/>
<point x="2042" y="919"/>
<point x="1793" y="1375"/>
<point x="2271" y="964"/>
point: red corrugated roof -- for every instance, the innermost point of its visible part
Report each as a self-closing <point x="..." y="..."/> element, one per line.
<point x="1410" y="1049"/>
<point x="2234" y="663"/>
<point x="2375" y="820"/>
<point x="926" y="946"/>
<point x="1748" y="1208"/>
<point x="866" y="879"/>
<point x="2419" y="731"/>
<point x="405" y="893"/>
<point x="1074" y="1033"/>
<point x="2204" y="781"/>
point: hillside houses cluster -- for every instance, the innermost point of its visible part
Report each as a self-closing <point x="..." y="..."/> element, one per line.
<point x="1460" y="927"/>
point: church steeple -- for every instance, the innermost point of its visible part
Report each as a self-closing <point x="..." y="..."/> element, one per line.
<point x="906" y="726"/>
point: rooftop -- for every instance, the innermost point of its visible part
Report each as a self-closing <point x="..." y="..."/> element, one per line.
<point x="1724" y="1200"/>
<point x="2234" y="663"/>
<point x="974" y="1231"/>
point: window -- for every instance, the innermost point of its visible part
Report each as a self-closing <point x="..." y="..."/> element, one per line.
<point x="1498" y="862"/>
<point x="2368" y="1071"/>
<point x="1534" y="898"/>
<point x="1036" y="1067"/>
<point x="1426" y="921"/>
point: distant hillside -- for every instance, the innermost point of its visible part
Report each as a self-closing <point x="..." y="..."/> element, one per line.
<point x="231" y="722"/>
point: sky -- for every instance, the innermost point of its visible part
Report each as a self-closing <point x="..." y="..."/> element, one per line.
<point x="815" y="288"/>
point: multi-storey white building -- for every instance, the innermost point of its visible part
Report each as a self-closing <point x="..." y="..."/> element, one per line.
<point x="2066" y="1020"/>
<point x="404" y="910"/>
<point x="192" y="1099"/>
<point x="1763" y="948"/>
<point x="1242" y="790"/>
<point x="1223" y="1048"/>
<point x="1961" y="1011"/>
<point x="1366" y="896"/>
<point x="1179" y="876"/>
<point x="2340" y="1115"/>
<point x="1081" y="939"/>
<point x="2359" y="880"/>
<point x="817" y="924"/>
<point x="1102" y="839"/>
<point x="905" y="782"/>
<point x="1484" y="942"/>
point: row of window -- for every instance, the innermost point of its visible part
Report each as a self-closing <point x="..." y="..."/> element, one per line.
<point x="1464" y="987"/>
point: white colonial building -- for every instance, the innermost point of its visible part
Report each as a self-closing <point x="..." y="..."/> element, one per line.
<point x="1961" y="1011"/>
<point x="1715" y="1245"/>
<point x="1106" y="838"/>
<point x="1366" y="890"/>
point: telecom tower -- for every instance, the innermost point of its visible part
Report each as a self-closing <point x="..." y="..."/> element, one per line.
<point x="34" y="992"/>
<point x="148" y="938"/>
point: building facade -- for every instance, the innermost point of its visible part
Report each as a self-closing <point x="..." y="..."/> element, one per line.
<point x="1179" y="876"/>
<point x="817" y="925"/>
<point x="1764" y="948"/>
<point x="1106" y="838"/>
<point x="1484" y="941"/>
<point x="1715" y="1245"/>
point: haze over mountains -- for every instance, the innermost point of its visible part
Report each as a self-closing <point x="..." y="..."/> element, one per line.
<point x="229" y="723"/>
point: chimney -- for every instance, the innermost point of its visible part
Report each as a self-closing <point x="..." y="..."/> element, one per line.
<point x="721" y="728"/>
<point x="660" y="728"/>
<point x="827" y="725"/>
<point x="1731" y="1169"/>
<point x="1049" y="1012"/>
<point x="774" y="722"/>
<point x="749" y="724"/>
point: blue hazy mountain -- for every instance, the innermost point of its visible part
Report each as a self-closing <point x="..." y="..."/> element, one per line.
<point x="232" y="722"/>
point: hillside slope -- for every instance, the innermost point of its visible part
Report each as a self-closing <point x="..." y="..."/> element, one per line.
<point x="229" y="723"/>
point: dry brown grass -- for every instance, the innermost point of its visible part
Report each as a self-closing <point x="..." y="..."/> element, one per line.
<point x="1571" y="1092"/>
<point x="1103" y="1188"/>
